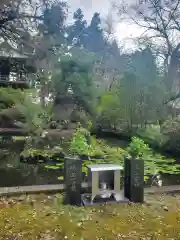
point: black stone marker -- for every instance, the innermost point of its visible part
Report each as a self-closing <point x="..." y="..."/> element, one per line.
<point x="73" y="180"/>
<point x="134" y="180"/>
<point x="127" y="178"/>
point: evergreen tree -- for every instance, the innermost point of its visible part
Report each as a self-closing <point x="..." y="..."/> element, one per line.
<point x="114" y="48"/>
<point x="75" y="75"/>
<point x="145" y="85"/>
<point x="76" y="31"/>
<point x="141" y="63"/>
<point x="94" y="40"/>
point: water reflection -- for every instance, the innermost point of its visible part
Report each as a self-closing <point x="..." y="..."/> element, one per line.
<point x="24" y="175"/>
<point x="14" y="173"/>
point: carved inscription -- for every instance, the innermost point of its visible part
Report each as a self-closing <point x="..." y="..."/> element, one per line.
<point x="73" y="178"/>
<point x="137" y="175"/>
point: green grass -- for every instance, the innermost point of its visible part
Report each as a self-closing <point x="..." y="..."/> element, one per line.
<point x="45" y="218"/>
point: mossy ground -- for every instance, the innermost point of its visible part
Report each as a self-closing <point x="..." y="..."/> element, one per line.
<point x="45" y="217"/>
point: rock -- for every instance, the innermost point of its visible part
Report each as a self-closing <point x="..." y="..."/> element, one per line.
<point x="79" y="224"/>
<point x="165" y="208"/>
<point x="130" y="203"/>
<point x="48" y="214"/>
<point x="6" y="220"/>
<point x="21" y="199"/>
<point x="11" y="201"/>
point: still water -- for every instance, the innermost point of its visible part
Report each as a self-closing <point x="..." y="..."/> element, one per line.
<point x="13" y="173"/>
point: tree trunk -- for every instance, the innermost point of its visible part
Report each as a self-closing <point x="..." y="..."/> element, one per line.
<point x="173" y="76"/>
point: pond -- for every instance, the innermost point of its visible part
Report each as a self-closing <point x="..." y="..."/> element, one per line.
<point x="168" y="179"/>
<point x="22" y="174"/>
<point x="14" y="173"/>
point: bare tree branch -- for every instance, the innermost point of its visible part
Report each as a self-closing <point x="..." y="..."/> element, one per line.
<point x="162" y="19"/>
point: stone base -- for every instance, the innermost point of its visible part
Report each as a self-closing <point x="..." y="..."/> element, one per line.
<point x="117" y="198"/>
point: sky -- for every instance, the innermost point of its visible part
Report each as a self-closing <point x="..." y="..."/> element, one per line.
<point x="124" y="31"/>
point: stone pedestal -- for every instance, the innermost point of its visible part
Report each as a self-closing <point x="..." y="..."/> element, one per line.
<point x="134" y="180"/>
<point x="73" y="180"/>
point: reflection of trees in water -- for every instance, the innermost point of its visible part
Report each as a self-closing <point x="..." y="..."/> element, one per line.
<point x="15" y="173"/>
<point x="10" y="160"/>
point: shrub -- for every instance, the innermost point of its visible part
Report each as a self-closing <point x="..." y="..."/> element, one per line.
<point x="171" y="129"/>
<point x="79" y="144"/>
<point x="154" y="163"/>
<point x="137" y="148"/>
<point x="112" y="154"/>
<point x="152" y="134"/>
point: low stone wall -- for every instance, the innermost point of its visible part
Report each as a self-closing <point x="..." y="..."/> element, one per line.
<point x="55" y="188"/>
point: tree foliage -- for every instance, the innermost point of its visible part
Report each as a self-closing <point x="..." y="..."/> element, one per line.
<point x="154" y="163"/>
<point x="160" y="21"/>
<point x="83" y="63"/>
<point x="24" y="23"/>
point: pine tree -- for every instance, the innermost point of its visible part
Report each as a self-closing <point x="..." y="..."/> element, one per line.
<point x="94" y="40"/>
<point x="76" y="31"/>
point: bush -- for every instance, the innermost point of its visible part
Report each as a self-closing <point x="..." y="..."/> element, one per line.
<point x="152" y="135"/>
<point x="79" y="144"/>
<point x="112" y="154"/>
<point x="94" y="148"/>
<point x="154" y="163"/>
<point x="171" y="129"/>
<point x="137" y="148"/>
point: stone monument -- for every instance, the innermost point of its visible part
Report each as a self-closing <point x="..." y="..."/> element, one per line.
<point x="73" y="180"/>
<point x="134" y="180"/>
